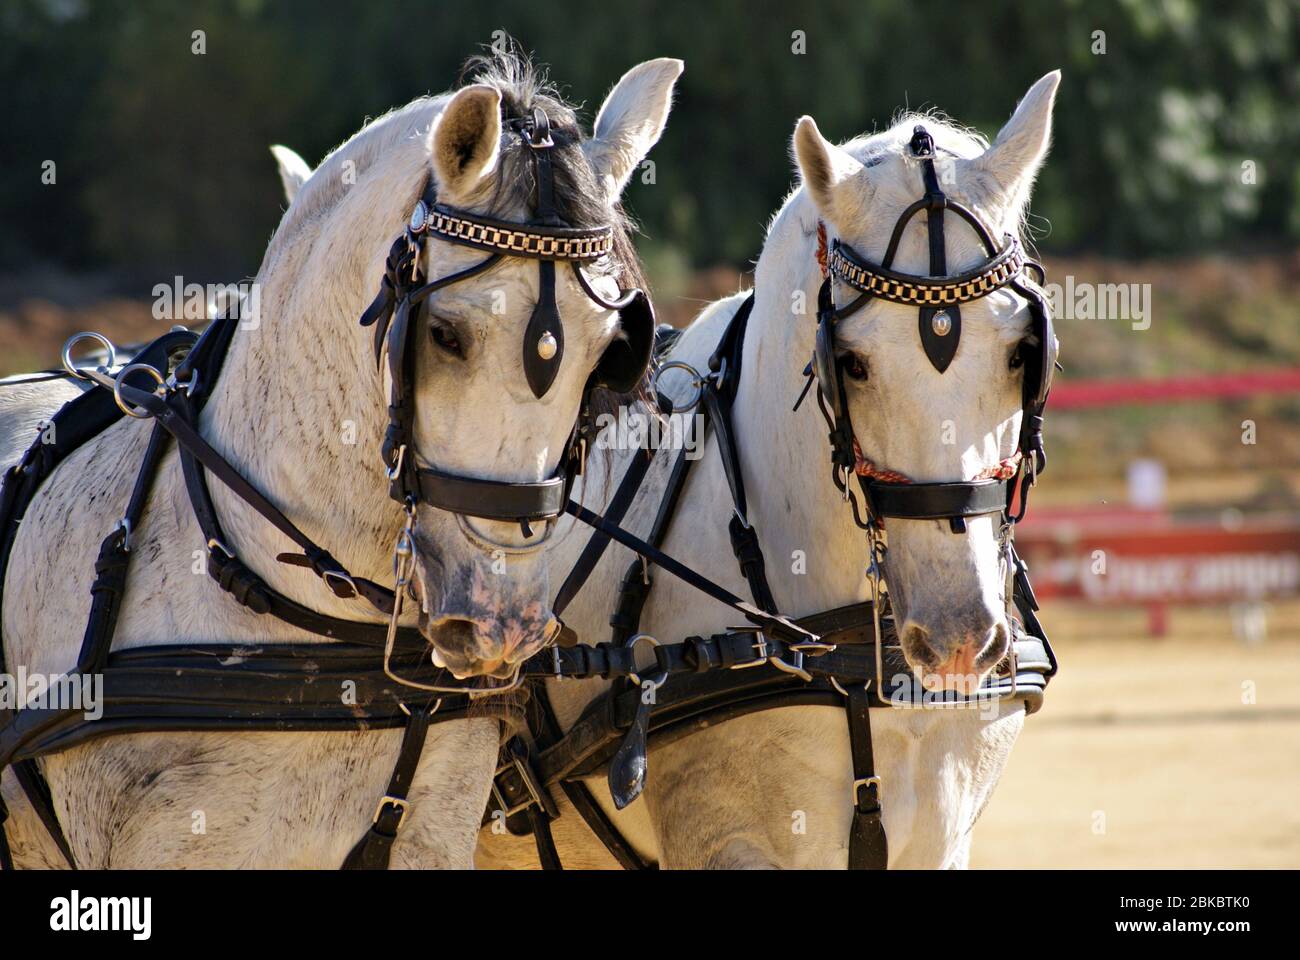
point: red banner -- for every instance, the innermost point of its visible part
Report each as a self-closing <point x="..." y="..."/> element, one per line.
<point x="1175" y="563"/>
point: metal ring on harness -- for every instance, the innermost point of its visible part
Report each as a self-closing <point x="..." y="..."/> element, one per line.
<point x="83" y="373"/>
<point x="662" y="678"/>
<point x="697" y="380"/>
<point x="125" y="407"/>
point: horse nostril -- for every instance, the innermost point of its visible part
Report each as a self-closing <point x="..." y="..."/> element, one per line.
<point x="996" y="648"/>
<point x="915" y="640"/>
<point x="452" y="636"/>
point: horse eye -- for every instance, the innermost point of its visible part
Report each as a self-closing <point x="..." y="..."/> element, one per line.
<point x="445" y="339"/>
<point x="854" y="366"/>
<point x="1017" y="358"/>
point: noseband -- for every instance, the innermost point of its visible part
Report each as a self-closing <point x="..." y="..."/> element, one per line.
<point x="546" y="240"/>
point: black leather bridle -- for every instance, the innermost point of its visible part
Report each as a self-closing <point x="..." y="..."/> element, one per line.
<point x="206" y="686"/>
<point x="856" y="662"/>
<point x="938" y="298"/>
<point x="185" y="368"/>
<point x="405" y="289"/>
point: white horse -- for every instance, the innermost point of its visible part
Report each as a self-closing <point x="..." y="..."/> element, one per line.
<point x="772" y="789"/>
<point x="293" y="393"/>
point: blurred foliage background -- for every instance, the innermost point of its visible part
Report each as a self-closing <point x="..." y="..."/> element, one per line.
<point x="162" y="161"/>
<point x="1174" y="161"/>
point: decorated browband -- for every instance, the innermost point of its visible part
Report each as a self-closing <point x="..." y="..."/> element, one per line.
<point x="920" y="291"/>
<point x="498" y="236"/>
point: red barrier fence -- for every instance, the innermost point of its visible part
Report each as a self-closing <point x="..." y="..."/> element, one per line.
<point x="1144" y="558"/>
<point x="1082" y="394"/>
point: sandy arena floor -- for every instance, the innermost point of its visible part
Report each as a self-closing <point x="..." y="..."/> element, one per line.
<point x="1145" y="754"/>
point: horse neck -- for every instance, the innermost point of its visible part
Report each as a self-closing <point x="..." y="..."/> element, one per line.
<point x="792" y="501"/>
<point x="300" y="406"/>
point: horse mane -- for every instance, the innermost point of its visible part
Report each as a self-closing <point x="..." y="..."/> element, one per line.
<point x="523" y="87"/>
<point x="966" y="143"/>
<point x="871" y="149"/>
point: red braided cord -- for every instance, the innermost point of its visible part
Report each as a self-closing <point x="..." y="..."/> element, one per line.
<point x="1004" y="470"/>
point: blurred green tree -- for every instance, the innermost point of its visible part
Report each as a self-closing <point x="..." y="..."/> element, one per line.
<point x="1181" y="135"/>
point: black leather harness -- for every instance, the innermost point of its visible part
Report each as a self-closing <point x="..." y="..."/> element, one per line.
<point x="273" y="686"/>
<point x="835" y="658"/>
<point x="855" y="664"/>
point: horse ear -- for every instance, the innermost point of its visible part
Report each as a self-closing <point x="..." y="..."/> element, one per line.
<point x="832" y="175"/>
<point x="631" y="121"/>
<point x="1021" y="146"/>
<point x="464" y="142"/>
<point x="294" y="170"/>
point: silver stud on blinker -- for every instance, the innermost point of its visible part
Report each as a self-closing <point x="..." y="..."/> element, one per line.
<point x="546" y="345"/>
<point x="941" y="324"/>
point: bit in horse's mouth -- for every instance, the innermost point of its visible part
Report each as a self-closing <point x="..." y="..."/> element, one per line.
<point x="463" y="668"/>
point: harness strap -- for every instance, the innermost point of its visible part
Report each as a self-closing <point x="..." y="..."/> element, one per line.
<point x="111" y="565"/>
<point x="603" y="827"/>
<point x="73" y="424"/>
<point x="582" y="569"/>
<point x="713" y="694"/>
<point x="868" y="846"/>
<point x="244" y="585"/>
<point x="37" y="790"/>
<point x="173" y="417"/>
<point x="744" y="544"/>
<point x="548" y="855"/>
<point x="720" y="394"/>
<point x="637" y="581"/>
<point x="373" y="850"/>
<point x="777" y="626"/>
<point x="106" y="602"/>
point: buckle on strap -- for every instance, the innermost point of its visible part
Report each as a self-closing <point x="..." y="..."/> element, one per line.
<point x="871" y="803"/>
<point x="536" y="794"/>
<point x="758" y="647"/>
<point x="400" y="804"/>
<point x="341" y="583"/>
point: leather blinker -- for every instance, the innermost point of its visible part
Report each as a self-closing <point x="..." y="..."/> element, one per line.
<point x="543" y="347"/>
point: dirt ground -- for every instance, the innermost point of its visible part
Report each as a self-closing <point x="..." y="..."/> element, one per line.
<point x="1176" y="752"/>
